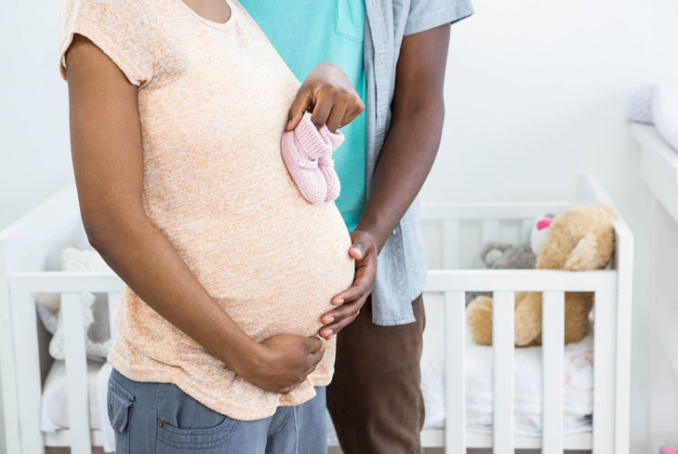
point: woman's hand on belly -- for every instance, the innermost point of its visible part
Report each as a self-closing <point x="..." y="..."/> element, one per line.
<point x="282" y="362"/>
<point x="350" y="301"/>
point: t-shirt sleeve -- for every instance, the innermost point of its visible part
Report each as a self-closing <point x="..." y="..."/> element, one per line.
<point x="428" y="14"/>
<point x="119" y="28"/>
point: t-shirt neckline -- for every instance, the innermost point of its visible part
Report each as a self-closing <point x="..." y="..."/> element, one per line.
<point x="211" y="23"/>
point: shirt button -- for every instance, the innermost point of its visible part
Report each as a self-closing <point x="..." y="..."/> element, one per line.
<point x="161" y="424"/>
<point x="302" y="162"/>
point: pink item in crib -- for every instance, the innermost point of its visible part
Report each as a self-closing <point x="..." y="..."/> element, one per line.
<point x="668" y="450"/>
<point x="307" y="153"/>
<point x="544" y="223"/>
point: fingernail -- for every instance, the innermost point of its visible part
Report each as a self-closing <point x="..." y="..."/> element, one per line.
<point x="329" y="320"/>
<point x="339" y="301"/>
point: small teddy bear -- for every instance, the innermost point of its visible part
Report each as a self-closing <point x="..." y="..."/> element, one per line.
<point x="578" y="239"/>
<point x="501" y="256"/>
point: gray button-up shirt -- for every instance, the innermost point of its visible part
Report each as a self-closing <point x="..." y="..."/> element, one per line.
<point x="401" y="269"/>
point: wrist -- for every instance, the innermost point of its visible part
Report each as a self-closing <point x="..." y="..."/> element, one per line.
<point x="248" y="356"/>
<point x="378" y="237"/>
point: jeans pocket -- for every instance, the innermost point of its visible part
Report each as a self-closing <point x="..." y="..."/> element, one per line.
<point x="187" y="426"/>
<point x="120" y="402"/>
<point x="349" y="19"/>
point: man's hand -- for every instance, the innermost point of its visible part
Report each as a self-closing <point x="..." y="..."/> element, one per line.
<point x="282" y="362"/>
<point x="329" y="95"/>
<point x="364" y="252"/>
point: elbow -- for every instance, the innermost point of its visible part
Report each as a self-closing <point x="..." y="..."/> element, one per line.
<point x="109" y="221"/>
<point x="105" y="233"/>
<point x="96" y="236"/>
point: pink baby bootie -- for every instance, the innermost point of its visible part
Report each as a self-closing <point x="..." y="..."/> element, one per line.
<point x="326" y="163"/>
<point x="307" y="153"/>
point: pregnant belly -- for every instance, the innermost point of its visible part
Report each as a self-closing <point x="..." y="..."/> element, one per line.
<point x="273" y="269"/>
<point x="272" y="260"/>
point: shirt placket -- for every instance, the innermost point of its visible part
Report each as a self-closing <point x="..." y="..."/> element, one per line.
<point x="379" y="67"/>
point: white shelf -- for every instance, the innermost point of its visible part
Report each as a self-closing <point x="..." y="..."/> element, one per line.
<point x="659" y="166"/>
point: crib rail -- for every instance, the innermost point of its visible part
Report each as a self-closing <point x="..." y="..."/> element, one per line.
<point x="29" y="388"/>
<point x="452" y="283"/>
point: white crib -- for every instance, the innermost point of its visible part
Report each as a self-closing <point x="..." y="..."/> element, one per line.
<point x="31" y="245"/>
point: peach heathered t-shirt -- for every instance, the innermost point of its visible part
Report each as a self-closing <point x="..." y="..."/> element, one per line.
<point x="213" y="103"/>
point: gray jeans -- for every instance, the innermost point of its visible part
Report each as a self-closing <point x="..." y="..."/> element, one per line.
<point x="159" y="418"/>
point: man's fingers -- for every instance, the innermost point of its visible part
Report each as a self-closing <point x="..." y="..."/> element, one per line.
<point x="300" y="105"/>
<point x="364" y="277"/>
<point x="352" y="113"/>
<point x="344" y="311"/>
<point x="322" y="106"/>
<point x="347" y="310"/>
<point x="338" y="113"/>
<point x="331" y="330"/>
<point x="354" y="292"/>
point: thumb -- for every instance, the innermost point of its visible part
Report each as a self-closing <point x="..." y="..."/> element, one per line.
<point x="300" y="105"/>
<point x="312" y="344"/>
<point x="358" y="249"/>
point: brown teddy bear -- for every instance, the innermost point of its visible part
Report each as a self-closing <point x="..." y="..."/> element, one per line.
<point x="580" y="238"/>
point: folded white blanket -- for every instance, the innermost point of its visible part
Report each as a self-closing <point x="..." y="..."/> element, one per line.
<point x="657" y="105"/>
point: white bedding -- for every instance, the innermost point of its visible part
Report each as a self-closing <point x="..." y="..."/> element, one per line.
<point x="54" y="413"/>
<point x="577" y="382"/>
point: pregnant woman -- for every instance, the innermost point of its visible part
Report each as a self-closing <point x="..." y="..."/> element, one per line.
<point x="177" y="111"/>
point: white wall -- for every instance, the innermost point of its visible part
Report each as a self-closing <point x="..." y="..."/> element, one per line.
<point x="34" y="150"/>
<point x="536" y="91"/>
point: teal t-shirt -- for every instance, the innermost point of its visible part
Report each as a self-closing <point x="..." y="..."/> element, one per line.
<point x="306" y="33"/>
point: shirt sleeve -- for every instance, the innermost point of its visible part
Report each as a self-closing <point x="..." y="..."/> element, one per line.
<point x="118" y="27"/>
<point x="428" y="14"/>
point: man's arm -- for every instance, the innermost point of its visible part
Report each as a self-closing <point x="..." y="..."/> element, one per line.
<point x="404" y="163"/>
<point x="413" y="139"/>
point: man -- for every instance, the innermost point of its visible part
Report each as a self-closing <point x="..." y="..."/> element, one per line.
<point x="394" y="54"/>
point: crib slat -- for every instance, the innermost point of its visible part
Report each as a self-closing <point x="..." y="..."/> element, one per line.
<point x="553" y="334"/>
<point x="503" y="346"/>
<point x="27" y="361"/>
<point x="604" y="372"/>
<point x="455" y="375"/>
<point x="490" y="230"/>
<point x="113" y="301"/>
<point x="451" y="244"/>
<point x="527" y="229"/>
<point x="76" y="373"/>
